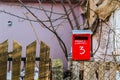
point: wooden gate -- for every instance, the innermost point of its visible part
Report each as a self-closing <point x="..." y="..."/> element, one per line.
<point x="15" y="57"/>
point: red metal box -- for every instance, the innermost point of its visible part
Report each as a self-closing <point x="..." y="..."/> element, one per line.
<point x="81" y="44"/>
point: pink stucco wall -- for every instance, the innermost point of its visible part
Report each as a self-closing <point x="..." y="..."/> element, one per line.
<point x="22" y="31"/>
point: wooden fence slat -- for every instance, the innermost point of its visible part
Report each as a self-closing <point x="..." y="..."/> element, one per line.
<point x="44" y="64"/>
<point x="30" y="61"/>
<point x="101" y="70"/>
<point x="16" y="61"/>
<point x="3" y="60"/>
<point x="44" y="52"/>
<point x="89" y="71"/>
<point x="44" y="73"/>
<point x="112" y="75"/>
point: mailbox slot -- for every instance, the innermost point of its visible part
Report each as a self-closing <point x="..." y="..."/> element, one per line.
<point x="80" y="38"/>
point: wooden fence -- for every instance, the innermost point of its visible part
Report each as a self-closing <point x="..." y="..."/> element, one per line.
<point x="94" y="70"/>
<point x="80" y="70"/>
<point x="15" y="56"/>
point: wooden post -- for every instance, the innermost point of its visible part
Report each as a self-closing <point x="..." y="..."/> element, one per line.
<point x="101" y="70"/>
<point x="3" y="60"/>
<point x="44" y="72"/>
<point x="89" y="71"/>
<point x="30" y="61"/>
<point x="16" y="62"/>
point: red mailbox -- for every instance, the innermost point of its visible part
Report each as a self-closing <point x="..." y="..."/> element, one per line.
<point x="81" y="44"/>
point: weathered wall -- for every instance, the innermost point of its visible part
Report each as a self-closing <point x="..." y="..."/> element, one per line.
<point x="106" y="40"/>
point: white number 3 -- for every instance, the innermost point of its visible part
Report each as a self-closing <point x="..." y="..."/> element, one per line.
<point x="82" y="49"/>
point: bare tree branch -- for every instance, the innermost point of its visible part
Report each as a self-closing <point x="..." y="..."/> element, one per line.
<point x="53" y="20"/>
<point x="62" y="44"/>
<point x="71" y="25"/>
<point x="73" y="13"/>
